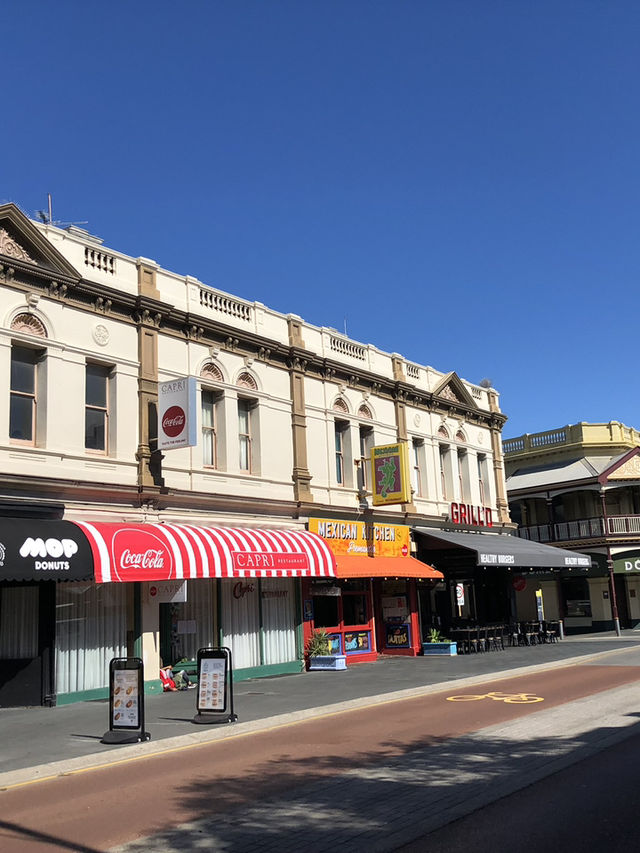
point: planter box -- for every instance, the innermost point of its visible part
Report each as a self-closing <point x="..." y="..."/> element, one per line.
<point x="440" y="648"/>
<point x="332" y="662"/>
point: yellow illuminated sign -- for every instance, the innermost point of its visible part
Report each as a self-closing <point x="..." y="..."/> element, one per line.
<point x="391" y="482"/>
<point x="362" y="537"/>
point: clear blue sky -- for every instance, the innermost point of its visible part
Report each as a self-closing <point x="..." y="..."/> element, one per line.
<point x="457" y="181"/>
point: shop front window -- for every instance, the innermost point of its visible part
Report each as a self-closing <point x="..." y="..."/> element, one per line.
<point x="92" y="621"/>
<point x="326" y="611"/>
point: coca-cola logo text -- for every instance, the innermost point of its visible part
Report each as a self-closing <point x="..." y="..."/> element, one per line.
<point x="173" y="421"/>
<point x="139" y="556"/>
<point x="150" y="559"/>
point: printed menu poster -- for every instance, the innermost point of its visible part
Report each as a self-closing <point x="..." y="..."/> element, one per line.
<point x="126" y="706"/>
<point x="211" y="685"/>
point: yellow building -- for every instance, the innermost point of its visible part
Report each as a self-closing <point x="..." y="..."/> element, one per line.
<point x="578" y="487"/>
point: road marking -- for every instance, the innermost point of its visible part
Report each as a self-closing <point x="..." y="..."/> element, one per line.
<point x="507" y="698"/>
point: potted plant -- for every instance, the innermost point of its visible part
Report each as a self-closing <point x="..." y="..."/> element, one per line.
<point x="436" y="644"/>
<point x="320" y="654"/>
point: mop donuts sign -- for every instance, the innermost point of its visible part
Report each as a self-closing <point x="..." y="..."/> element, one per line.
<point x="177" y="418"/>
<point x="140" y="555"/>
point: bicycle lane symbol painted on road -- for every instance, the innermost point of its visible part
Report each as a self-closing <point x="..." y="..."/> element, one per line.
<point x="507" y="698"/>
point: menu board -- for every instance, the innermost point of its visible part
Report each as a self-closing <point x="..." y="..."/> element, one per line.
<point x="125" y="710"/>
<point x="212" y="684"/>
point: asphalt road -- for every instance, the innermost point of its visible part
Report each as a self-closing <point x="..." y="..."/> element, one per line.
<point x="272" y="790"/>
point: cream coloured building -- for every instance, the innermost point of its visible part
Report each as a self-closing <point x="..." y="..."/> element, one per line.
<point x="287" y="413"/>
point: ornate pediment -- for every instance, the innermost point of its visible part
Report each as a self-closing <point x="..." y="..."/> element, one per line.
<point x="451" y="388"/>
<point x="629" y="470"/>
<point x="21" y="242"/>
<point x="12" y="249"/>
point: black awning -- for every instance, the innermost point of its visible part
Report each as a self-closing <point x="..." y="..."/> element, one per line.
<point x="494" y="549"/>
<point x="34" y="549"/>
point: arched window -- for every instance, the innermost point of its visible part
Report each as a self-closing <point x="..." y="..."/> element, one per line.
<point x="246" y="380"/>
<point x="460" y="436"/>
<point x="211" y="373"/>
<point x="28" y="323"/>
<point x="443" y="432"/>
<point x="365" y="412"/>
<point x="341" y="406"/>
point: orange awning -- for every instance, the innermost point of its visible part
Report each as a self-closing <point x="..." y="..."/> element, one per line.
<point x="359" y="566"/>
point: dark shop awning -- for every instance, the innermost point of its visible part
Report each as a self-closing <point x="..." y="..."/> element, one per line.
<point x="43" y="550"/>
<point x="494" y="549"/>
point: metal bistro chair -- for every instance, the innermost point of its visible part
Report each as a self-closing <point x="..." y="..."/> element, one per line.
<point x="550" y="632"/>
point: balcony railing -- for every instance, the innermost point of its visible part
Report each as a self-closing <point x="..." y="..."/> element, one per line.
<point x="583" y="528"/>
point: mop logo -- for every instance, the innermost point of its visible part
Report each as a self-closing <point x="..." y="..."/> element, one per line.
<point x="55" y="548"/>
<point x="3" y="552"/>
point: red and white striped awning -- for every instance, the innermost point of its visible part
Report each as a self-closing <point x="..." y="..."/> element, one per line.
<point x="153" y="552"/>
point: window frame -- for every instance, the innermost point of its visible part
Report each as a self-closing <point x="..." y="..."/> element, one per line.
<point x="108" y="372"/>
<point x="417" y="449"/>
<point x="246" y="439"/>
<point x="366" y="441"/>
<point x="37" y="355"/>
<point x="340" y="428"/>
<point x="443" y="451"/>
<point x="210" y="433"/>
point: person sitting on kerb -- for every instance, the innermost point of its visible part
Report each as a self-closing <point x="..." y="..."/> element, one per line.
<point x="174" y="681"/>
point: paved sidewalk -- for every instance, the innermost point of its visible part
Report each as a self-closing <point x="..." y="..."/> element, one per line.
<point x="42" y="742"/>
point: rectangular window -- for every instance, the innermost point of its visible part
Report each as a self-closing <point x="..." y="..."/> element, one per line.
<point x="96" y="411"/>
<point x="481" y="481"/>
<point x="244" y="434"/>
<point x="366" y="443"/>
<point x="444" y="451"/>
<point x="23" y="394"/>
<point x="340" y="427"/>
<point x="417" y="450"/>
<point x="462" y="484"/>
<point x="209" y="436"/>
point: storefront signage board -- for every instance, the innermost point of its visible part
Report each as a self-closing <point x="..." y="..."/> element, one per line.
<point x="177" y="413"/>
<point x="359" y="537"/>
<point x="390" y="474"/>
<point x="627" y="563"/>
<point x="357" y="641"/>
<point x="397" y="636"/>
<point x="478" y="516"/>
<point x="41" y="549"/>
<point x="168" y="592"/>
<point x="214" y="700"/>
<point x="126" y="702"/>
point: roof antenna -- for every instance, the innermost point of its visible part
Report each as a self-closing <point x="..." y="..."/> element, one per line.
<point x="46" y="216"/>
<point x="345" y="328"/>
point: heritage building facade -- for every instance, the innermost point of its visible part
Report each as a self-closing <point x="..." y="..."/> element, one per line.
<point x="286" y="416"/>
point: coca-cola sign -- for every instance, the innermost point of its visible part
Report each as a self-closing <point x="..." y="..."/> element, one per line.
<point x="140" y="555"/>
<point x="174" y="421"/>
<point x="177" y="416"/>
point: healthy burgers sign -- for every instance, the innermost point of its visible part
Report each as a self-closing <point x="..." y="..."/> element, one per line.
<point x="177" y="419"/>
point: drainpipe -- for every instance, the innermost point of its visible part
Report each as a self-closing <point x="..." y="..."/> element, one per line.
<point x="612" y="586"/>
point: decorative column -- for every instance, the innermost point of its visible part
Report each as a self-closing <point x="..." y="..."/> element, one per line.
<point x="400" y="407"/>
<point x="148" y="318"/>
<point x="297" y="366"/>
<point x="497" y="422"/>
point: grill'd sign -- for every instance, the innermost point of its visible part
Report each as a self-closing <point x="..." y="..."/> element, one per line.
<point x="177" y="419"/>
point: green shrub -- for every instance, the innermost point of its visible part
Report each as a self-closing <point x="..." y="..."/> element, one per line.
<point x="319" y="643"/>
